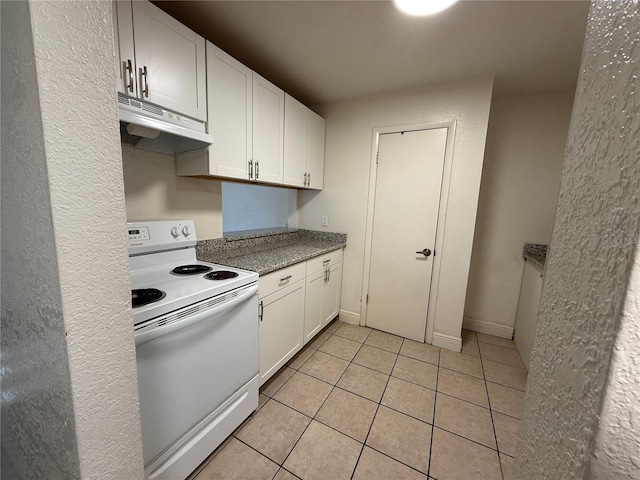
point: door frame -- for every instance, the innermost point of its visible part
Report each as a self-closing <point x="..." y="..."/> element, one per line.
<point x="450" y="125"/>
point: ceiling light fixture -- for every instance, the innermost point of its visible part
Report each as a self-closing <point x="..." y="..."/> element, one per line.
<point x="422" y="7"/>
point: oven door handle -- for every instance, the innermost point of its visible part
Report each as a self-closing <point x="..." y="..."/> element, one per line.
<point x="151" y="331"/>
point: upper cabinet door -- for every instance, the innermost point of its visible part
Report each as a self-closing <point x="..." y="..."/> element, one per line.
<point x="268" y="131"/>
<point x="230" y="97"/>
<point x="123" y="45"/>
<point x="170" y="62"/>
<point x="295" y="142"/>
<point x="315" y="150"/>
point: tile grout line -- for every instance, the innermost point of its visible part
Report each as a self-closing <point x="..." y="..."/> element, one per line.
<point x="320" y="408"/>
<point x="493" y="424"/>
<point x="433" y="419"/>
<point x="280" y="465"/>
<point x="379" y="403"/>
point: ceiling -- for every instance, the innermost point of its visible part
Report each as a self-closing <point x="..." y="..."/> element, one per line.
<point x="327" y="51"/>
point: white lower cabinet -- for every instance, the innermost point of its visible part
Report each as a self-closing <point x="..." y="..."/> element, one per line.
<point x="281" y="324"/>
<point x="331" y="293"/>
<point x="324" y="279"/>
<point x="313" y="305"/>
<point x="296" y="303"/>
<point x="527" y="316"/>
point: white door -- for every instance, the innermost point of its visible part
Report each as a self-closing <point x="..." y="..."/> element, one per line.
<point x="170" y="61"/>
<point x="407" y="197"/>
<point x="268" y="131"/>
<point x="230" y="89"/>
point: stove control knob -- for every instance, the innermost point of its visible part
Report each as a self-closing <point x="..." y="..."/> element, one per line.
<point x="175" y="233"/>
<point x="186" y="231"/>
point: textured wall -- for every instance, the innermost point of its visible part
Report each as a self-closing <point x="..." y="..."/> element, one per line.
<point x="592" y="249"/>
<point x="38" y="429"/>
<point x="522" y="167"/>
<point x="73" y="43"/>
<point x="350" y="127"/>
<point x="154" y="192"/>
<point x="617" y="448"/>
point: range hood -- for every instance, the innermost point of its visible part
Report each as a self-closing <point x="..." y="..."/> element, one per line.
<point x="150" y="127"/>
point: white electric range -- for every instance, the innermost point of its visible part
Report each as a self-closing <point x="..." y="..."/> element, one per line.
<point x="196" y="335"/>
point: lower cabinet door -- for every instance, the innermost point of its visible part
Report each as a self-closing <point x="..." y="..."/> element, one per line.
<point x="313" y="304"/>
<point x="331" y="294"/>
<point x="281" y="328"/>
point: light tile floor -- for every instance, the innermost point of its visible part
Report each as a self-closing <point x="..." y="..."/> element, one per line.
<point x="357" y="403"/>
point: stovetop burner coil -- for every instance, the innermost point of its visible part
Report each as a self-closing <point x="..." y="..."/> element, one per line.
<point x="220" y="275"/>
<point x="145" y="296"/>
<point x="191" y="269"/>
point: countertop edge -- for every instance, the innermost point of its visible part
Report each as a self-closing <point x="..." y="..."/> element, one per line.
<point x="269" y="265"/>
<point x="536" y="253"/>
<point x="296" y="260"/>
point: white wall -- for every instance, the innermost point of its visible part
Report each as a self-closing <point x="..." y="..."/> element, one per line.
<point x="73" y="45"/>
<point x="349" y="138"/>
<point x="154" y="192"/>
<point x="518" y="195"/>
<point x="38" y="426"/>
<point x="586" y="349"/>
<point x="249" y="207"/>
<point x="617" y="445"/>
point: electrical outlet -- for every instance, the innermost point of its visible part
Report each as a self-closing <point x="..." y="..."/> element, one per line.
<point x="324" y="220"/>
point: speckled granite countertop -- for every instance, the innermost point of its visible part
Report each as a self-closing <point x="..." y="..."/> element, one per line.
<point x="536" y="253"/>
<point x="267" y="250"/>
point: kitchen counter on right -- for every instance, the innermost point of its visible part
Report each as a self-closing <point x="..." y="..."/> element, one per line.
<point x="536" y="253"/>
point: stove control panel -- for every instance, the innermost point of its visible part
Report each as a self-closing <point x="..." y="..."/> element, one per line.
<point x="148" y="237"/>
<point x="138" y="233"/>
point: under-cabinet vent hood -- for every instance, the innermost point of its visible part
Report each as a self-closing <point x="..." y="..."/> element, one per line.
<point x="150" y="127"/>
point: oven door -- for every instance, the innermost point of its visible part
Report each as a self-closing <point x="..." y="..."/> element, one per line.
<point x="190" y="361"/>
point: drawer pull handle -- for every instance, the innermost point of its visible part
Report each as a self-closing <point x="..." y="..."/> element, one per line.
<point x="284" y="279"/>
<point x="326" y="262"/>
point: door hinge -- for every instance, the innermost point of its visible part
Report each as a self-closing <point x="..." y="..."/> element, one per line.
<point x="377" y="156"/>
<point x="367" y="298"/>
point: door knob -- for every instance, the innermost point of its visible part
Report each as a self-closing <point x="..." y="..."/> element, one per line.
<point x="426" y="252"/>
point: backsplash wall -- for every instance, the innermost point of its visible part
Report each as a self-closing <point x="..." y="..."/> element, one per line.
<point x="154" y="192"/>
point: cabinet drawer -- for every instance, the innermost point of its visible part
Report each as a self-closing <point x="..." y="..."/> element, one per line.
<point x="324" y="261"/>
<point x="274" y="281"/>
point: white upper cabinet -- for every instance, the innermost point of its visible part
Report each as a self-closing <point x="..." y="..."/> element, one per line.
<point x="315" y="150"/>
<point x="230" y="103"/>
<point x="246" y="120"/>
<point x="260" y="134"/>
<point x="268" y="131"/>
<point x="169" y="65"/>
<point x="304" y="133"/>
<point x="295" y="142"/>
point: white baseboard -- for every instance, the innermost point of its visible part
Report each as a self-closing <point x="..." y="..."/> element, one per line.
<point x="446" y="341"/>
<point x="350" y="317"/>
<point x="488" y="328"/>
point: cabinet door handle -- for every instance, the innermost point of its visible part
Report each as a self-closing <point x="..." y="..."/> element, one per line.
<point x="260" y="310"/>
<point x="326" y="262"/>
<point x="329" y="272"/>
<point x="308" y="179"/>
<point x="250" y="169"/>
<point x="284" y="279"/>
<point x="257" y="170"/>
<point x="144" y="79"/>
<point x="129" y="68"/>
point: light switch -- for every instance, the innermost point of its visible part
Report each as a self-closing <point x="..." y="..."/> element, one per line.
<point x="325" y="220"/>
